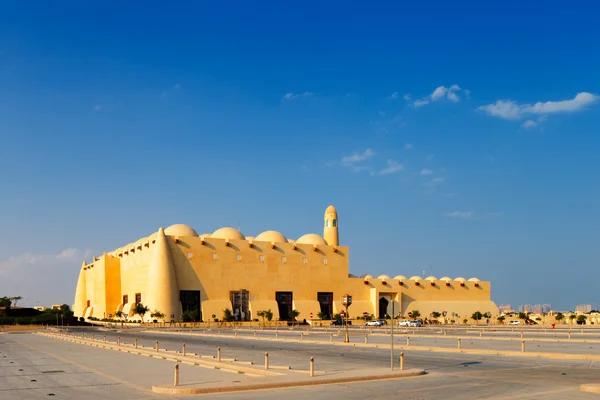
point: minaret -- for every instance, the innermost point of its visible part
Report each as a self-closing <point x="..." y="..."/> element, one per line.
<point x="162" y="291"/>
<point x="330" y="227"/>
<point x="80" y="302"/>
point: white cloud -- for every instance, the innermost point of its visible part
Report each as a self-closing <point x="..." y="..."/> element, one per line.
<point x="420" y="103"/>
<point x="426" y="171"/>
<point x="506" y="109"/>
<point x="509" y="109"/>
<point x="393" y="96"/>
<point x="460" y="214"/>
<point x="358" y="157"/>
<point x="51" y="278"/>
<point x="441" y="92"/>
<point x="408" y="146"/>
<point x="435" y="181"/>
<point x="292" y="96"/>
<point x="529" y="124"/>
<point x="392" y="167"/>
<point x="407" y="97"/>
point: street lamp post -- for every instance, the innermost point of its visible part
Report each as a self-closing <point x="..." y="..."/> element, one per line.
<point x="346" y="302"/>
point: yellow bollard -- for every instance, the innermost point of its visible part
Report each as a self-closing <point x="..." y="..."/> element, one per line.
<point x="118" y="340"/>
<point x="104" y="339"/>
<point x="266" y="360"/>
<point x="331" y="337"/>
<point x="408" y="340"/>
<point x="92" y="337"/>
<point x="183" y="349"/>
<point x="366" y="339"/>
<point x="569" y="335"/>
<point x="218" y="354"/>
<point x="522" y="346"/>
<point x="459" y="343"/>
<point x="312" y="366"/>
<point x="402" y="361"/>
<point x="176" y="379"/>
<point x="157" y="345"/>
<point x="276" y="335"/>
<point x="135" y="343"/>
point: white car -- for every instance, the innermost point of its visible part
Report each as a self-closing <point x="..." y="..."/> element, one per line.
<point x="409" y="323"/>
<point x="374" y="323"/>
<point x="515" y="322"/>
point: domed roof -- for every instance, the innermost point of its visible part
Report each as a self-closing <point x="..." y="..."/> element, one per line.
<point x="227" y="233"/>
<point x="416" y="278"/>
<point x="331" y="210"/>
<point x="292" y="241"/>
<point x="474" y="280"/>
<point x="271" y="236"/>
<point x="445" y="279"/>
<point x="383" y="277"/>
<point x="460" y="279"/>
<point x="249" y="237"/>
<point x="400" y="277"/>
<point x="205" y="235"/>
<point x="367" y="277"/>
<point x="311" y="238"/>
<point x="431" y="278"/>
<point x="180" y="230"/>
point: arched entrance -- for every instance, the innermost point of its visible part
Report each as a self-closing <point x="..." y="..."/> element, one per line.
<point x="383" y="303"/>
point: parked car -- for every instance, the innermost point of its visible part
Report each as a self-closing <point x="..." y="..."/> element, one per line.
<point x="409" y="323"/>
<point x="383" y="321"/>
<point x="517" y="322"/>
<point x="340" y="322"/>
<point x="376" y="322"/>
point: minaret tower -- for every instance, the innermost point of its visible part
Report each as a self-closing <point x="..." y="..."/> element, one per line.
<point x="330" y="227"/>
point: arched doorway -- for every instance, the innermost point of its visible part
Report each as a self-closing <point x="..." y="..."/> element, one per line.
<point x="383" y="303"/>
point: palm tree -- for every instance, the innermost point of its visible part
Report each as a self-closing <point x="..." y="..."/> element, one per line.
<point x="294" y="314"/>
<point x="581" y="319"/>
<point x="559" y="317"/>
<point x="119" y="314"/>
<point x="414" y="314"/>
<point x="501" y="318"/>
<point x="572" y="317"/>
<point x="477" y="316"/>
<point x="16" y="299"/>
<point x="157" y="314"/>
<point x="436" y="314"/>
<point x="140" y="310"/>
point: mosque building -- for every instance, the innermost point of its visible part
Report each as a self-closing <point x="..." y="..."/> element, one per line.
<point x="176" y="270"/>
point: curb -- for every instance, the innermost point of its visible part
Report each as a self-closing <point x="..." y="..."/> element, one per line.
<point x="167" y="389"/>
<point x="587" y="387"/>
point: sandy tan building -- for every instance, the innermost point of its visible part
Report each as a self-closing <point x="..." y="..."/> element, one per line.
<point x="176" y="270"/>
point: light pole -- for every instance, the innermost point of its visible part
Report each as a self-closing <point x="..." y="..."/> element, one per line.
<point x="346" y="302"/>
<point x="392" y="334"/>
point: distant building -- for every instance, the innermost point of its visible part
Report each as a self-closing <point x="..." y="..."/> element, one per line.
<point x="505" y="309"/>
<point x="41" y="308"/>
<point x="583" y="308"/>
<point x="537" y="308"/>
<point x="56" y="306"/>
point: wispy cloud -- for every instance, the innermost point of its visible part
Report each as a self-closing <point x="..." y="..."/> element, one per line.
<point x="460" y="214"/>
<point x="392" y="167"/>
<point x="511" y="110"/>
<point x="292" y="96"/>
<point x="406" y="97"/>
<point x="435" y="181"/>
<point x="426" y="171"/>
<point x="50" y="277"/>
<point x="389" y="125"/>
<point x="393" y="96"/>
<point x="441" y="92"/>
<point x="358" y="157"/>
<point x="409" y="146"/>
<point x="529" y="124"/>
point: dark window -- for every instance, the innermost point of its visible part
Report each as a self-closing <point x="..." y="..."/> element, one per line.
<point x="383" y="303"/>
<point x="88" y="303"/>
<point x="326" y="302"/>
<point x="239" y="303"/>
<point x="284" y="303"/>
<point x="125" y="299"/>
<point x="138" y="298"/>
<point x="190" y="305"/>
<point x="334" y="223"/>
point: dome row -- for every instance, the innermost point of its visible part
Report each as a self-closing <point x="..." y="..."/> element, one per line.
<point x="418" y="278"/>
<point x="233" y="234"/>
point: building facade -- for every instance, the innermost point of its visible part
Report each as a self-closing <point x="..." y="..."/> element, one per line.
<point x="176" y="270"/>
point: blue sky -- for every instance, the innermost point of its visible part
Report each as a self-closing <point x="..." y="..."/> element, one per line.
<point x="458" y="140"/>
